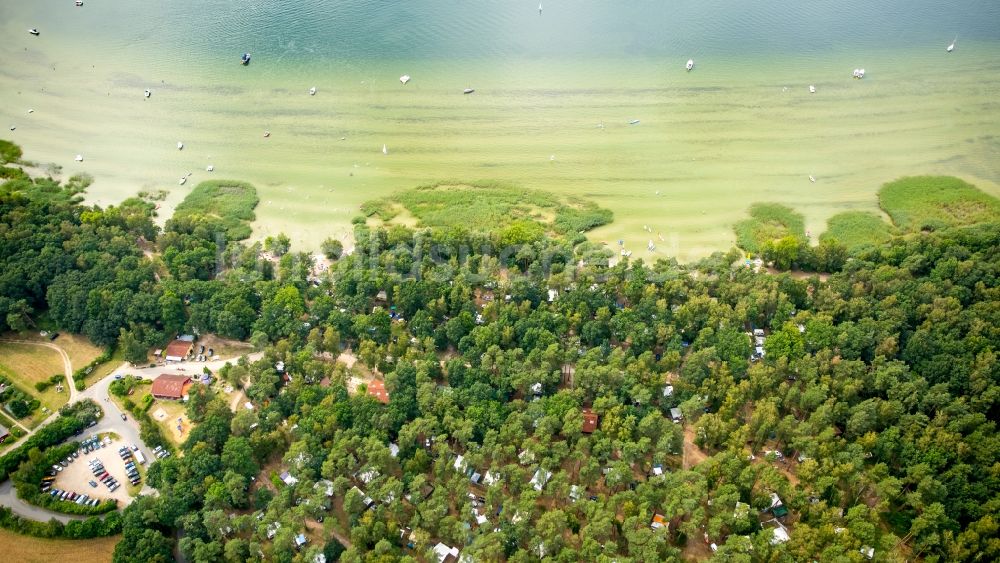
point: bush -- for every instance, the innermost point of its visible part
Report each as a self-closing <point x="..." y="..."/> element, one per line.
<point x="94" y="527"/>
<point x="73" y="419"/>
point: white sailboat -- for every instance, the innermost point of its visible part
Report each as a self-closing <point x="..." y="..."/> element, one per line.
<point x="312" y="91"/>
<point x="385" y="149"/>
<point x="539" y="8"/>
<point x="180" y="146"/>
<point x="147" y="93"/>
<point x="812" y="89"/>
<point x="690" y="64"/>
<point x="404" y="79"/>
<point x="952" y="46"/>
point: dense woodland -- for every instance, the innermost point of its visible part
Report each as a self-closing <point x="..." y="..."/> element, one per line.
<point x="879" y="388"/>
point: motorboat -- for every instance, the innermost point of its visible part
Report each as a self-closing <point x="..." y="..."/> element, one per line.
<point x="33" y="31"/>
<point x="245" y="59"/>
<point x="385" y="149"/>
<point x="79" y="2"/>
<point x="812" y="178"/>
<point x="812" y="89"/>
<point x="634" y="122"/>
<point x="859" y="73"/>
<point x="79" y="158"/>
<point x="267" y="134"/>
<point x="951" y="47"/>
<point x="690" y="64"/>
<point x="405" y="78"/>
<point x="209" y="168"/>
<point x="147" y="93"/>
<point x="180" y="146"/>
<point x="468" y="90"/>
<point x="312" y="91"/>
<point x="182" y="180"/>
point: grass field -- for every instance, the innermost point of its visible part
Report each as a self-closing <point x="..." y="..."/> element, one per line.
<point x="106" y="368"/>
<point x="857" y="229"/>
<point x="24" y="365"/>
<point x="230" y="202"/>
<point x="27" y="549"/>
<point x="768" y="222"/>
<point x="80" y="350"/>
<point x="933" y="202"/>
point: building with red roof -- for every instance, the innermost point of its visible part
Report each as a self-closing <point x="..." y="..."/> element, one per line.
<point x="377" y="389"/>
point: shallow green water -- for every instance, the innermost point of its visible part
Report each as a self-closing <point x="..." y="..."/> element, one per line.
<point x="741" y="127"/>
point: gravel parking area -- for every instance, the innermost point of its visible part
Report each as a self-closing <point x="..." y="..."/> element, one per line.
<point x="77" y="475"/>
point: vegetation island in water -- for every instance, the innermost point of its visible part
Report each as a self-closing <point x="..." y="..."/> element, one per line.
<point x="477" y="381"/>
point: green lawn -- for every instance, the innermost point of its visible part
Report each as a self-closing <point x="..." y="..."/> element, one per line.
<point x="933" y="202"/>
<point x="24" y="365"/>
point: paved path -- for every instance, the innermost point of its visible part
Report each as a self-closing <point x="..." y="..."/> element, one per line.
<point x="112" y="421"/>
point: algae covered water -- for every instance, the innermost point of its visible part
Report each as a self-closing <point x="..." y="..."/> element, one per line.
<point x="555" y="97"/>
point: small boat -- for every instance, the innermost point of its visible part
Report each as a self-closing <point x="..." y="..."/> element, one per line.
<point x="405" y="78"/>
<point x="12" y="127"/>
<point x="183" y="180"/>
<point x="245" y="59"/>
<point x="79" y="2"/>
<point x="859" y="73"/>
<point x="180" y="146"/>
<point x="312" y="91"/>
<point x="468" y="90"/>
<point x="267" y="134"/>
<point x="385" y="149"/>
<point x="539" y="8"/>
<point x="812" y="89"/>
<point x="634" y="122"/>
<point x="690" y="64"/>
<point x="650" y="247"/>
<point x="209" y="168"/>
<point x="33" y="31"/>
<point x="951" y="47"/>
<point x="147" y="93"/>
<point x="812" y="178"/>
<point x="79" y="158"/>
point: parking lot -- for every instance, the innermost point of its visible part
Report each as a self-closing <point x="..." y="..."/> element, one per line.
<point x="77" y="475"/>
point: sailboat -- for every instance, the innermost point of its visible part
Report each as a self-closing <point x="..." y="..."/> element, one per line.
<point x="690" y="64"/>
<point x="404" y="79"/>
<point x="539" y="8"/>
<point x="385" y="149"/>
<point x="312" y="91"/>
<point x="952" y="46"/>
<point x="147" y="93"/>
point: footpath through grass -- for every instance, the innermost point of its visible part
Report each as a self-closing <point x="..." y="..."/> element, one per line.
<point x="27" y="549"/>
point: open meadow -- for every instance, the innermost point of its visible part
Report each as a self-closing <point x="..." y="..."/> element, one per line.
<point x="26" y="364"/>
<point x="27" y="549"/>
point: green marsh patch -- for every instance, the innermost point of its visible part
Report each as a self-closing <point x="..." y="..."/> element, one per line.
<point x="226" y="202"/>
<point x="857" y="229"/>
<point x="487" y="207"/>
<point x="768" y="222"/>
<point x="920" y="203"/>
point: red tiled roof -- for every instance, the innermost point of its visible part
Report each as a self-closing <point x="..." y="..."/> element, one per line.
<point x="179" y="348"/>
<point x="590" y="419"/>
<point x="377" y="389"/>
<point x="170" y="386"/>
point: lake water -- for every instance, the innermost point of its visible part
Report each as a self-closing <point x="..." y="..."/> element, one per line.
<point x="742" y="127"/>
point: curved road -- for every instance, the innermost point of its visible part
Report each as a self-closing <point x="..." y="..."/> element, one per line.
<point x="112" y="421"/>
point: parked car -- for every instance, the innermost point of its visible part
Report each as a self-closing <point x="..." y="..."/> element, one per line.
<point x="123" y="416"/>
<point x="92" y="483"/>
